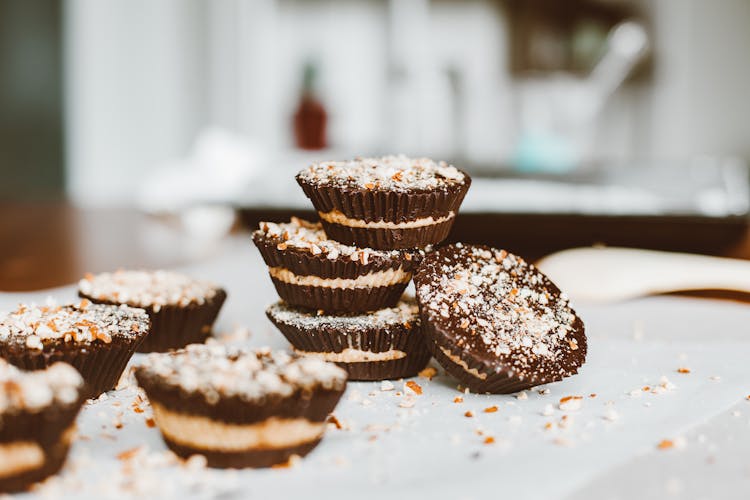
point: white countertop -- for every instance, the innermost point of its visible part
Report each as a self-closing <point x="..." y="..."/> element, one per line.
<point x="433" y="451"/>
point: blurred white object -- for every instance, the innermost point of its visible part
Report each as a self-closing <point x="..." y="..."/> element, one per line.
<point x="559" y="112"/>
<point x="615" y="274"/>
<point x="220" y="167"/>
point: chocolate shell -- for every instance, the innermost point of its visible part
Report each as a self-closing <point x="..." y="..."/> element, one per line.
<point x="247" y="394"/>
<point x="100" y="364"/>
<point x="495" y="322"/>
<point x="393" y="333"/>
<point x="175" y="326"/>
<point x="331" y="271"/>
<point x="386" y="203"/>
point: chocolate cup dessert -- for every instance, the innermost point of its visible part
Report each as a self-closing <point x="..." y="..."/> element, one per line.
<point x="386" y="344"/>
<point x="240" y="408"/>
<point x="97" y="340"/>
<point x="311" y="271"/>
<point x="182" y="310"/>
<point x="38" y="411"/>
<point x="386" y="203"/>
<point x="495" y="322"/>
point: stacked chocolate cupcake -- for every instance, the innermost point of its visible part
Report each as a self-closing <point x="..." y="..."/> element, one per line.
<point x="341" y="280"/>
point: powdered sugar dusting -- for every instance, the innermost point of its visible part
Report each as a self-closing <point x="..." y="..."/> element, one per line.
<point x="393" y="173"/>
<point x="59" y="383"/>
<point x="34" y="325"/>
<point x="216" y="370"/>
<point x="406" y="312"/>
<point x="147" y="288"/>
<point x="500" y="304"/>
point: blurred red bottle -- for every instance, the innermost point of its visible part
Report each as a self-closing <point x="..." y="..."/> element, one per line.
<point x="310" y="117"/>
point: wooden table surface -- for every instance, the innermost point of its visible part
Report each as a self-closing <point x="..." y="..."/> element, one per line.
<point x="43" y="245"/>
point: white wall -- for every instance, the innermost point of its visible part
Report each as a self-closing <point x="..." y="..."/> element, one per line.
<point x="699" y="102"/>
<point x="134" y="91"/>
<point x="143" y="77"/>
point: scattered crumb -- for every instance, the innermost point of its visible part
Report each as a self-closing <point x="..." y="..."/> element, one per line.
<point x="571" y="403"/>
<point x="469" y="414"/>
<point x="428" y="373"/>
<point x="195" y="462"/>
<point x="668" y="444"/>
<point x="489" y="440"/>
<point x="150" y="422"/>
<point x="459" y="399"/>
<point x="543" y="392"/>
<point x="129" y="454"/>
<point x="611" y="415"/>
<point x="414" y="387"/>
<point x="592" y="395"/>
<point x="548" y="410"/>
<point x="407" y="402"/>
<point x="682" y="369"/>
<point x="665" y="444"/>
<point x="490" y="409"/>
<point x="333" y="419"/>
<point x="522" y="395"/>
<point x="387" y="385"/>
<point x="566" y="421"/>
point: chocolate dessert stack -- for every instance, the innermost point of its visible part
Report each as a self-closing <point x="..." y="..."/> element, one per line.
<point x="341" y="280"/>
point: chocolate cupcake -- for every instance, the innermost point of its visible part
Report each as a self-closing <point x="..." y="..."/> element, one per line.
<point x="182" y="310"/>
<point x="385" y="344"/>
<point x="309" y="270"/>
<point x="37" y="413"/>
<point x="97" y="340"/>
<point x="495" y="322"/>
<point x="385" y="203"/>
<point x="240" y="408"/>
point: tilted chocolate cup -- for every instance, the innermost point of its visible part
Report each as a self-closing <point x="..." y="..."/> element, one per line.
<point x="403" y="343"/>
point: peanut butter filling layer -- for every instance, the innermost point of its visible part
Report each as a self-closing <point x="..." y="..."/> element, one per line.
<point x="336" y="217"/>
<point x="370" y="280"/>
<point x="460" y="362"/>
<point x="18" y="457"/>
<point x="204" y="433"/>
<point x="350" y="355"/>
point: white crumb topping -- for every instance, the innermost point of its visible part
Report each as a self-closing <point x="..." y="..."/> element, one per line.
<point x="406" y="312"/>
<point x="392" y="173"/>
<point x="501" y="303"/>
<point x="34" y="325"/>
<point x="147" y="288"/>
<point x="309" y="236"/>
<point x="59" y="383"/>
<point x="217" y="370"/>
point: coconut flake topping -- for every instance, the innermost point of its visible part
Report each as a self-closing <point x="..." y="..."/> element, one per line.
<point x="59" y="383"/>
<point x="35" y="325"/>
<point x="497" y="302"/>
<point x="217" y="371"/>
<point x="147" y="288"/>
<point x="392" y="173"/>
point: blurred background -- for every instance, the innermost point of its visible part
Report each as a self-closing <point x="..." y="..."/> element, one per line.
<point x="584" y="121"/>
